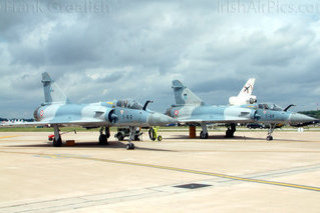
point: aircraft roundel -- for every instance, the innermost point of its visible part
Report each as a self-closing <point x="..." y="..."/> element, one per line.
<point x="176" y="112"/>
<point x="41" y="113"/>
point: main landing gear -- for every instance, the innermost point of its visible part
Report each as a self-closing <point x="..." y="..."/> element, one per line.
<point x="103" y="138"/>
<point x="125" y="132"/>
<point x="230" y="131"/>
<point x="130" y="145"/>
<point x="57" y="137"/>
<point x="204" y="133"/>
<point x="104" y="135"/>
<point x="270" y="131"/>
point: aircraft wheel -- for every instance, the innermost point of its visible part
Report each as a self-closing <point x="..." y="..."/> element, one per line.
<point x="57" y="143"/>
<point x="136" y="138"/>
<point x="152" y="134"/>
<point x="103" y="139"/>
<point x="159" y="138"/>
<point x="203" y="135"/>
<point x="130" y="146"/>
<point x="269" y="138"/>
<point x="120" y="136"/>
<point x="229" y="133"/>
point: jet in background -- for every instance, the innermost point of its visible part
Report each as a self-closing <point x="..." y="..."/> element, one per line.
<point x="191" y="110"/>
<point x="245" y="95"/>
<point x="57" y="111"/>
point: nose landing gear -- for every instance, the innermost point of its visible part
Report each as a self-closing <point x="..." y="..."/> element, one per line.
<point x="57" y="141"/>
<point x="130" y="145"/>
<point x="270" y="131"/>
<point x="231" y="130"/>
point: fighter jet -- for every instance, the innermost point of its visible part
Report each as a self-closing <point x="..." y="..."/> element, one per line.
<point x="57" y="111"/>
<point x="245" y="95"/>
<point x="191" y="110"/>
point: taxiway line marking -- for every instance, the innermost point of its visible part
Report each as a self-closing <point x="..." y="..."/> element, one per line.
<point x="231" y="177"/>
<point x="11" y="136"/>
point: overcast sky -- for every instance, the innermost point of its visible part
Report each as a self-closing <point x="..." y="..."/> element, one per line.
<point x="99" y="50"/>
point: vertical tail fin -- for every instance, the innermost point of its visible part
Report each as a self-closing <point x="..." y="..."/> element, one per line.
<point x="248" y="87"/>
<point x="184" y="96"/>
<point x="245" y="96"/>
<point x="52" y="93"/>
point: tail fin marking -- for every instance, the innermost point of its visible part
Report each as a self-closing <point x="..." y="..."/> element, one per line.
<point x="184" y="96"/>
<point x="52" y="93"/>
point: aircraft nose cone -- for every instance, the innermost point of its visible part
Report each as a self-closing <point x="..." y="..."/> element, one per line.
<point x="300" y="118"/>
<point x="158" y="119"/>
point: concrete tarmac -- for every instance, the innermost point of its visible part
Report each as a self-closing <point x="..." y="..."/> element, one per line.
<point x="243" y="174"/>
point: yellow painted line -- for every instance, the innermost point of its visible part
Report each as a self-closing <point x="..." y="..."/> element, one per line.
<point x="252" y="180"/>
<point x="12" y="136"/>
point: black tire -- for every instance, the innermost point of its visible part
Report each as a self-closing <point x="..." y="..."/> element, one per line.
<point x="152" y="134"/>
<point x="103" y="140"/>
<point x="229" y="134"/>
<point x="120" y="136"/>
<point x="130" y="146"/>
<point x="108" y="134"/>
<point x="57" y="143"/>
<point x="269" y="138"/>
<point x="159" y="138"/>
<point x="204" y="136"/>
<point x="136" y="138"/>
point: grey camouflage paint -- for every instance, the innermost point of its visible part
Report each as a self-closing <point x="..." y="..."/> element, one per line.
<point x="57" y="110"/>
<point x="98" y="114"/>
<point x="191" y="109"/>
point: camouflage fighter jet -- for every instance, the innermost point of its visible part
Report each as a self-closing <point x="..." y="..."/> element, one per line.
<point x="191" y="110"/>
<point x="57" y="111"/>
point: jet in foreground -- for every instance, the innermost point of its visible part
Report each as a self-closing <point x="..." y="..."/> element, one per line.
<point x="190" y="109"/>
<point x="57" y="111"/>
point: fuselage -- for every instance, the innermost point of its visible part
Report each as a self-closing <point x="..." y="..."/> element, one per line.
<point x="261" y="113"/>
<point x="207" y="113"/>
<point x="97" y="114"/>
<point x="271" y="113"/>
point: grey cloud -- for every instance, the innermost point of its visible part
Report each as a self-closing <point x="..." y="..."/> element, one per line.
<point x="138" y="47"/>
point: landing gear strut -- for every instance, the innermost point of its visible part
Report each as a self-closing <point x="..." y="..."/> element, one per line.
<point x="57" y="137"/>
<point x="270" y="131"/>
<point x="104" y="135"/>
<point x="231" y="130"/>
<point x="130" y="145"/>
<point x="204" y="133"/>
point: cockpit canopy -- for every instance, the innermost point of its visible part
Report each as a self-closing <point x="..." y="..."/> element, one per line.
<point x="273" y="107"/>
<point x="129" y="103"/>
